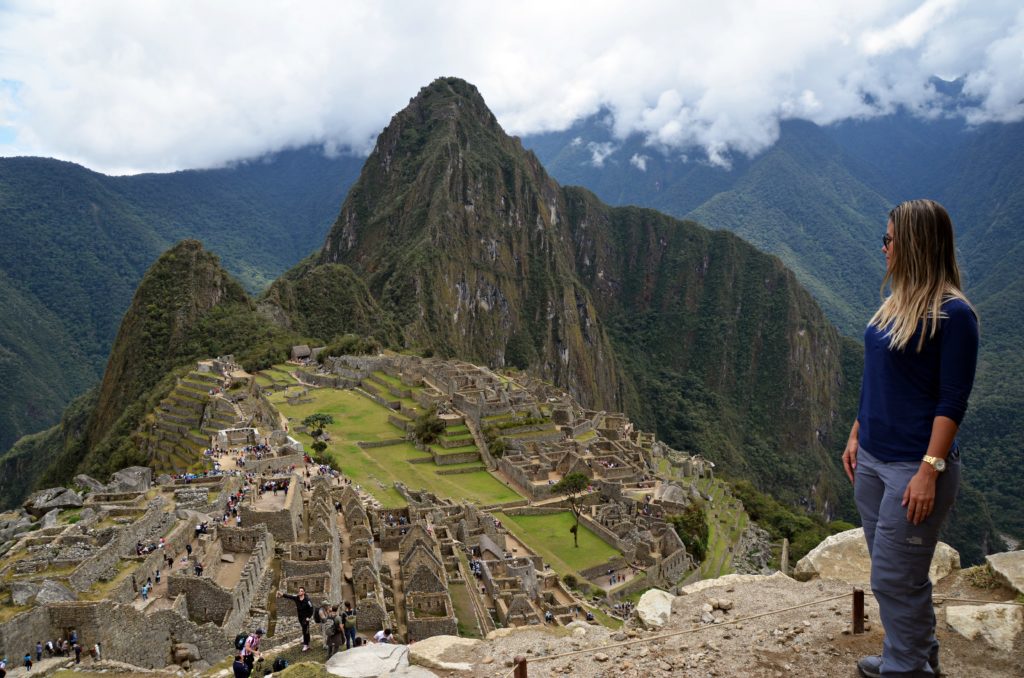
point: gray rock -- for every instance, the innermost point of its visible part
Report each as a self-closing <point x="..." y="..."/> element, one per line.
<point x="998" y="625"/>
<point x="1009" y="568"/>
<point x="185" y="652"/>
<point x="22" y="592"/>
<point x="654" y="608"/>
<point x="370" y="661"/>
<point x="50" y="519"/>
<point x="445" y="653"/>
<point x="54" y="592"/>
<point x="844" y="556"/>
<point x="132" y="479"/>
<point x="90" y="482"/>
<point x="43" y="501"/>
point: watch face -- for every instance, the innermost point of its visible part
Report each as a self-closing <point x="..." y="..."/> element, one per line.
<point x="940" y="465"/>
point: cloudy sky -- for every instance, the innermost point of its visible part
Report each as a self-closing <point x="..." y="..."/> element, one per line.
<point x="153" y="85"/>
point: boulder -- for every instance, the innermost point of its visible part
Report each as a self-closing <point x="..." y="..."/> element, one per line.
<point x="654" y="608"/>
<point x="996" y="624"/>
<point x="1008" y="568"/>
<point x="89" y="482"/>
<point x="445" y="653"/>
<point x="50" y="519"/>
<point x="370" y="661"/>
<point x="844" y="556"/>
<point x="185" y="652"/>
<point x="54" y="592"/>
<point x="44" y="501"/>
<point x="23" y="592"/>
<point x="131" y="479"/>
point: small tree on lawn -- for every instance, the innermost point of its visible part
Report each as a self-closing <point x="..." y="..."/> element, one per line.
<point x="318" y="451"/>
<point x="316" y="423"/>
<point x="574" y="485"/>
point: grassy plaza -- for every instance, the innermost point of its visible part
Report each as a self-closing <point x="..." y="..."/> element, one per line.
<point x="358" y="419"/>
<point x="549" y="536"/>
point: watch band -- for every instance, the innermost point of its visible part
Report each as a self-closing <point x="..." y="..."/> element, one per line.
<point x="938" y="463"/>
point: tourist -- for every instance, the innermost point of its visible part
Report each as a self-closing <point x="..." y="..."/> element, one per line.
<point x="78" y="653"/>
<point x="50" y="650"/>
<point x="39" y="650"/>
<point x="903" y="458"/>
<point x="251" y="649"/>
<point x="334" y="631"/>
<point x="144" y="592"/>
<point x="97" y="652"/>
<point x="198" y="568"/>
<point x="304" y="610"/>
<point x="240" y="668"/>
<point x="348" y="622"/>
<point x="384" y="636"/>
<point x="3" y="666"/>
<point x="157" y="576"/>
<point x="28" y="661"/>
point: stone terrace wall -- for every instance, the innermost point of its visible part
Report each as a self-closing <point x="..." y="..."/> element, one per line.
<point x="104" y="563"/>
<point x="22" y="631"/>
<point x="285" y="523"/>
<point x="207" y="602"/>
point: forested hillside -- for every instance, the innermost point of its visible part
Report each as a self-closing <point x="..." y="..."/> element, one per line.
<point x="76" y="244"/>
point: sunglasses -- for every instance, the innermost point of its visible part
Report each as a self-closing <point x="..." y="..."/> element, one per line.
<point x="886" y="239"/>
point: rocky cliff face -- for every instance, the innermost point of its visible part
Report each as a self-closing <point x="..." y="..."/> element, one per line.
<point x="471" y="247"/>
<point x="461" y="235"/>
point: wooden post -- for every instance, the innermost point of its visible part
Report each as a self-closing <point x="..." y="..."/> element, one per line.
<point x="858" y="610"/>
<point x="520" y="663"/>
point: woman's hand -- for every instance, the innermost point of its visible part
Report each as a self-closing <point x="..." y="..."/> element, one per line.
<point x="919" y="497"/>
<point x="850" y="457"/>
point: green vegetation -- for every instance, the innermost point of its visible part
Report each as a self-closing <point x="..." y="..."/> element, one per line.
<point x="546" y="534"/>
<point x="317" y="422"/>
<point x="428" y="427"/>
<point x="692" y="527"/>
<point x="376" y="469"/>
<point x="573" y="485"/>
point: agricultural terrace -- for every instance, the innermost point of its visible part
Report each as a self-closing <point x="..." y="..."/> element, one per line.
<point x="549" y="536"/>
<point x="359" y="419"/>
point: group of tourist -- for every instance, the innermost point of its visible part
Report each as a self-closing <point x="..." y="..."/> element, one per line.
<point x="60" y="647"/>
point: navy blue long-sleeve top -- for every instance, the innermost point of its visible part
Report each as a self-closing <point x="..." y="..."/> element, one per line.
<point x="903" y="391"/>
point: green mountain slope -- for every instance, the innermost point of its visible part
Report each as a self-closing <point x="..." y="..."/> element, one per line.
<point x="459" y="233"/>
<point x="76" y="244"/>
<point x="477" y="253"/>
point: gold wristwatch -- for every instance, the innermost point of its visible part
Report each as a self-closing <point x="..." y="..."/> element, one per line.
<point x="938" y="463"/>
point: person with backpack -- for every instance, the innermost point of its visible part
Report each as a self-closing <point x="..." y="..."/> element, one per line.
<point x="251" y="649"/>
<point x="348" y="623"/>
<point x="28" y="661"/>
<point x="3" y="667"/>
<point x="334" y="632"/>
<point x="304" y="610"/>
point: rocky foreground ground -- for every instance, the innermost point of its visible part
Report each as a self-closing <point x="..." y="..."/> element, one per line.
<point x="738" y="625"/>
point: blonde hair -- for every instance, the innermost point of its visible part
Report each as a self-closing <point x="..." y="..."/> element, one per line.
<point x="923" y="273"/>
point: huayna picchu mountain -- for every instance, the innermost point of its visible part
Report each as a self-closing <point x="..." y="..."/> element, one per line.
<point x="476" y="252"/>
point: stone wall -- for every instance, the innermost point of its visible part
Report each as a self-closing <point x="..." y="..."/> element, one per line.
<point x="301" y="551"/>
<point x="207" y="602"/>
<point x="104" y="564"/>
<point x="429" y="614"/>
<point x="285" y="523"/>
<point x="22" y="631"/>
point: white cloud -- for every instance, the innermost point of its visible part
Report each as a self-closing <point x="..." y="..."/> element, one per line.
<point x="639" y="161"/>
<point x="599" y="152"/>
<point x="165" y="84"/>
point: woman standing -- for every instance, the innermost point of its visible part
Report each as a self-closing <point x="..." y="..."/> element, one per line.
<point x="920" y="354"/>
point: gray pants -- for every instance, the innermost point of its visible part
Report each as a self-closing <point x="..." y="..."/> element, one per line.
<point x="901" y="554"/>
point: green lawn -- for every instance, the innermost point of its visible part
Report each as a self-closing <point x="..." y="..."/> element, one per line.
<point x="357" y="418"/>
<point x="549" y="536"/>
